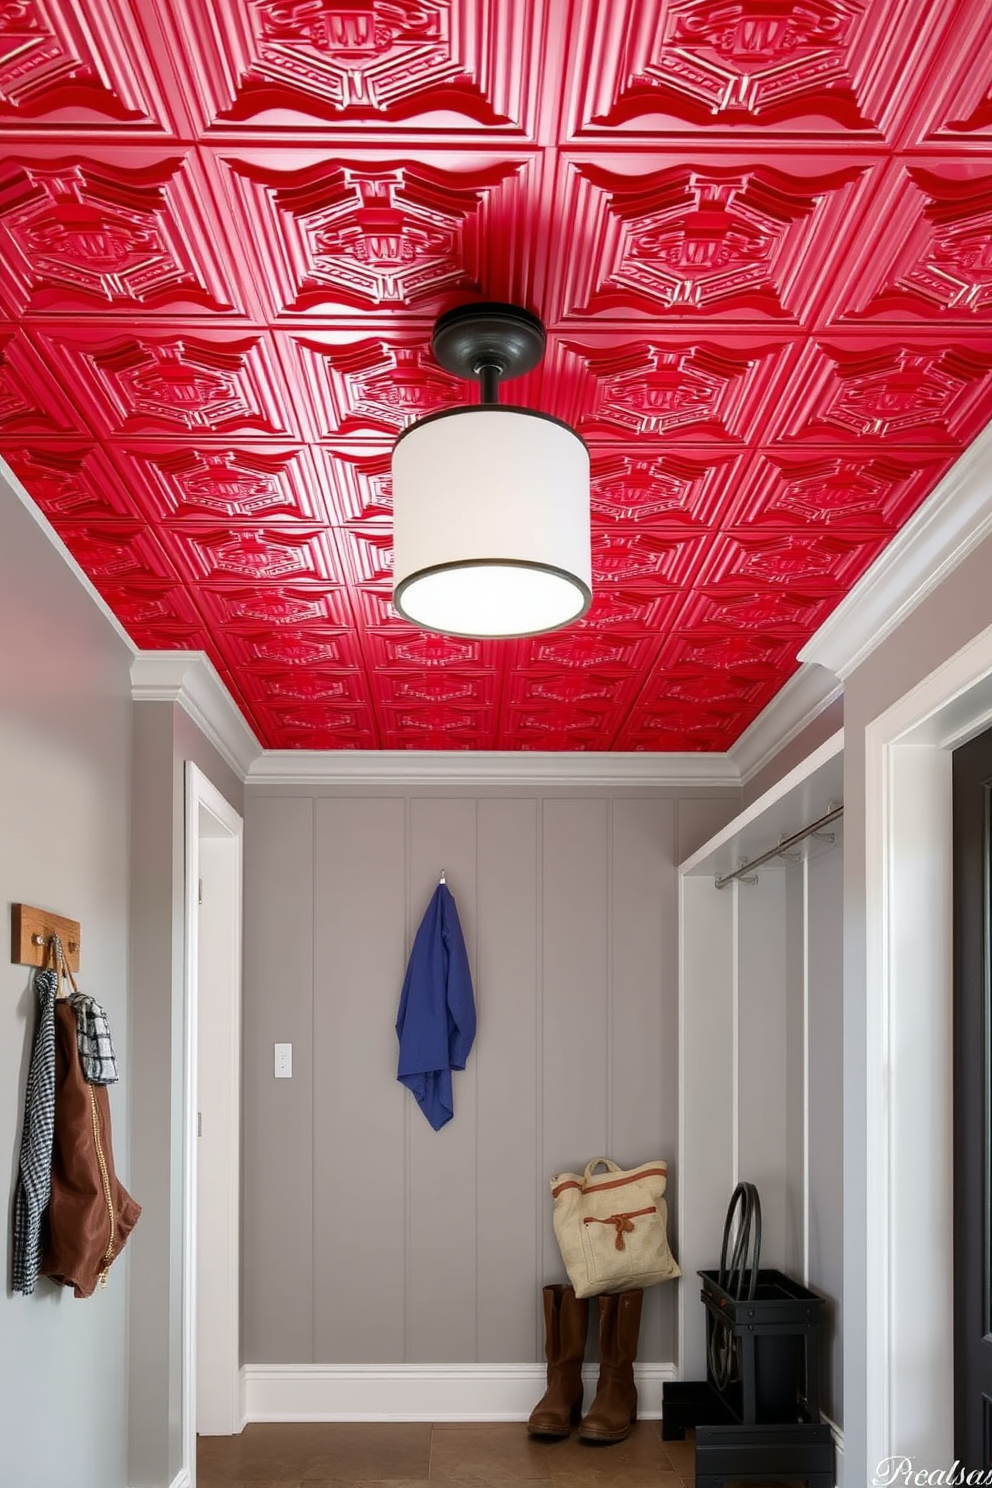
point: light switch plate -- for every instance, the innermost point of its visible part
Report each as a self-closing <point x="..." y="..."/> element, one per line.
<point x="284" y="1061"/>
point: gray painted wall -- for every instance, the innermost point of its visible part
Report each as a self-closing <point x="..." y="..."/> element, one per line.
<point x="823" y="726"/>
<point x="65" y="745"/>
<point x="368" y="1237"/>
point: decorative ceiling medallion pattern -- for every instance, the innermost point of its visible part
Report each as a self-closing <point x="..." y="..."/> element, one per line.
<point x="362" y="236"/>
<point x="759" y="233"/>
<point x="755" y="62"/>
<point x="706" y="240"/>
<point x="77" y="237"/>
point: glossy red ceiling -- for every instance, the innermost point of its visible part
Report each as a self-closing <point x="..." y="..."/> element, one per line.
<point x="759" y="232"/>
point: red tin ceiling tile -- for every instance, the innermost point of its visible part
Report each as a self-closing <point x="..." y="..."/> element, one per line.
<point x="94" y="235"/>
<point x="31" y="399"/>
<point x="230" y="606"/>
<point x="802" y="64"/>
<point x="163" y="382"/>
<point x="663" y="387"/>
<point x="934" y="258"/>
<point x="900" y="389"/>
<point x="377" y="64"/>
<point x="738" y="242"/>
<point x="837" y="490"/>
<point x="221" y="483"/>
<point x="368" y="234"/>
<point x="227" y="231"/>
<point x="70" y="482"/>
<point x="65" y="65"/>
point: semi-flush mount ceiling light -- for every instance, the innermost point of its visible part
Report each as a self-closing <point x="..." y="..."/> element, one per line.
<point x="490" y="502"/>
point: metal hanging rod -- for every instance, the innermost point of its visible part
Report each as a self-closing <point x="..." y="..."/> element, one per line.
<point x="746" y="870"/>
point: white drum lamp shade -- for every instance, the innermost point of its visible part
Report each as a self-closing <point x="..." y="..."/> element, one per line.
<point x="491" y="523"/>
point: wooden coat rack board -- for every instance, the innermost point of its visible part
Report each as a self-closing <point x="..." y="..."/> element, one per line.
<point x="31" y="931"/>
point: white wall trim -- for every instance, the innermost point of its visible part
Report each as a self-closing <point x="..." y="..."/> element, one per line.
<point x="838" y="1437"/>
<point x="708" y="857"/>
<point x="488" y="767"/>
<point x="419" y="1392"/>
<point x="189" y="679"/>
<point x="947" y="527"/>
<point x="905" y="1039"/>
<point x="181" y="1480"/>
<point x="203" y="800"/>
<point x="793" y="708"/>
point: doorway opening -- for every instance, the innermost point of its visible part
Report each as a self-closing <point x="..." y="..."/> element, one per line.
<point x="212" y="1388"/>
<point x="900" y="1245"/>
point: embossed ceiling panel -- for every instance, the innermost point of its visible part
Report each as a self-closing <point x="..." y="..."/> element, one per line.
<point x="759" y="233"/>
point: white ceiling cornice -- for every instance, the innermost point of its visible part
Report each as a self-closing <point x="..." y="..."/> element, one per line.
<point x="189" y="679"/>
<point x="947" y="527"/>
<point x="792" y="709"/>
<point x="479" y="767"/>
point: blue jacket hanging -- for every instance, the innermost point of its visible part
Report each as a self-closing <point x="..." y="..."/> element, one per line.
<point x="436" y="1020"/>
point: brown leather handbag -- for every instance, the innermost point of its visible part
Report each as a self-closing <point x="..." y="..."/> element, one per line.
<point x="90" y="1213"/>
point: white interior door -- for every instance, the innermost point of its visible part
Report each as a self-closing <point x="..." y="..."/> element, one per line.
<point x="214" y="894"/>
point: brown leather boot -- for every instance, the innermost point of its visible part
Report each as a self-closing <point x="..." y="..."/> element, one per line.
<point x="615" y="1407"/>
<point x="565" y="1322"/>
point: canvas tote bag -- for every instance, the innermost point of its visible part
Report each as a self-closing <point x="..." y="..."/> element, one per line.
<point x="612" y="1227"/>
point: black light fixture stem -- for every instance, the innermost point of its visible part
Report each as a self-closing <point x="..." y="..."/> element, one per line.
<point x="488" y="375"/>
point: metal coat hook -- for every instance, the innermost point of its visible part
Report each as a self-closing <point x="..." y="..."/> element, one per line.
<point x="442" y="879"/>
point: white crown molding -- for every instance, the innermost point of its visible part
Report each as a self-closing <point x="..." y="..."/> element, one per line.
<point x="8" y="478"/>
<point x="487" y="767"/>
<point x="419" y="1392"/>
<point x="947" y="527"/>
<point x="189" y="679"/>
<point x="793" y="708"/>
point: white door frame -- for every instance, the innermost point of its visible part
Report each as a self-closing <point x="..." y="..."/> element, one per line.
<point x="908" y="1068"/>
<point x="209" y="814"/>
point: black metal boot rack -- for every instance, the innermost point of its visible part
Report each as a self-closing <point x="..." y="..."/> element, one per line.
<point x="757" y="1413"/>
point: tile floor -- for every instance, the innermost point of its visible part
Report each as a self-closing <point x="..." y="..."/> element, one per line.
<point x="419" y="1455"/>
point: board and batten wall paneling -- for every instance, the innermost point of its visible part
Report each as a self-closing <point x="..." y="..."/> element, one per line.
<point x="762" y="1070"/>
<point x="278" y="1114"/>
<point x="432" y="1247"/>
<point x="442" y="1172"/>
<point x="511" y="1195"/>
<point x="575" y="1030"/>
<point x="643" y="1040"/>
<point x="825" y="1176"/>
<point x="708" y="1098"/>
<point x="796" y="1032"/>
<point x="358" y="1107"/>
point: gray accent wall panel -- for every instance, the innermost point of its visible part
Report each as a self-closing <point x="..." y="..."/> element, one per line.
<point x="512" y="1196"/>
<point x="795" y="1072"/>
<point x="574" y="894"/>
<point x="278" y="1114"/>
<point x="432" y="1247"/>
<point x="643" y="1046"/>
<point x="358" y="1106"/>
<point x="826" y="1128"/>
<point x="761" y="1057"/>
<point x="442" y="1230"/>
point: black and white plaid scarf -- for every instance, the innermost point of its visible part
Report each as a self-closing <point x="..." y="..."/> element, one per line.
<point x="34" y="1179"/>
<point x="96" y="1047"/>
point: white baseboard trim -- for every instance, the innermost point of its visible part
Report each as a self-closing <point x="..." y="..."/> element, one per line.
<point x="242" y="1420"/>
<point x="182" y="1479"/>
<point x="419" y="1392"/>
<point x="838" y="1437"/>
